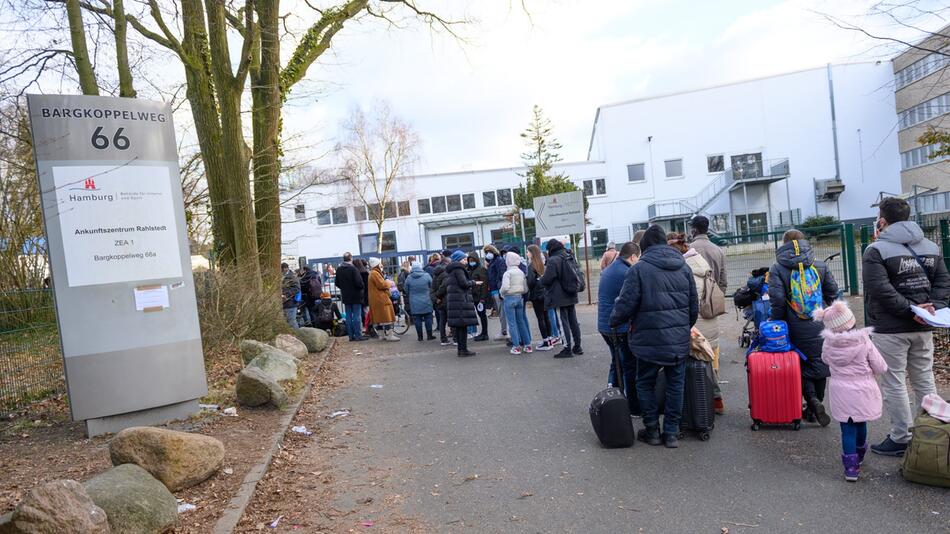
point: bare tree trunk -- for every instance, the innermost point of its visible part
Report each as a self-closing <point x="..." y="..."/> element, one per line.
<point x="87" y="76"/>
<point x="266" y="96"/>
<point x="122" y="50"/>
<point x="379" y="235"/>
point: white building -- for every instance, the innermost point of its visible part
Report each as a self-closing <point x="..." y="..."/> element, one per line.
<point x="753" y="156"/>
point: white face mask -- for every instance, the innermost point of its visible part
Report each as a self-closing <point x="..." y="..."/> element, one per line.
<point x="489" y="256"/>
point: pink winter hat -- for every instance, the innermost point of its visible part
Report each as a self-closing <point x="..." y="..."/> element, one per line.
<point x="837" y="317"/>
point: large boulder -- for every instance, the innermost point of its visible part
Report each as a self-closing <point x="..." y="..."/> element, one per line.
<point x="178" y="459"/>
<point x="291" y="345"/>
<point x="276" y="363"/>
<point x="58" y="506"/>
<point x="135" y="501"/>
<point x="250" y="349"/>
<point x="314" y="338"/>
<point x="254" y="387"/>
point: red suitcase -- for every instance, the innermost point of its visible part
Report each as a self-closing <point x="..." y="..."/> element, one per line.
<point x="775" y="389"/>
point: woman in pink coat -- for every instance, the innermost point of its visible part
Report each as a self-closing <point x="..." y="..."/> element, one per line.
<point x="854" y="395"/>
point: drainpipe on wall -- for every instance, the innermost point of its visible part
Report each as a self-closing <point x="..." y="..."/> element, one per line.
<point x="834" y="125"/>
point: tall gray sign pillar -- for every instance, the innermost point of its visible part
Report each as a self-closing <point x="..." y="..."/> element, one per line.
<point x="119" y="258"/>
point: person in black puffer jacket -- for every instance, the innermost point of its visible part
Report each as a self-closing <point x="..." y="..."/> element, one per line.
<point x="459" y="305"/>
<point x="481" y="293"/>
<point x="804" y="333"/>
<point x="556" y="281"/>
<point x="659" y="301"/>
<point x="437" y="294"/>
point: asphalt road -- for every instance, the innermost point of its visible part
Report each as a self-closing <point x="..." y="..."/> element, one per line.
<point x="499" y="443"/>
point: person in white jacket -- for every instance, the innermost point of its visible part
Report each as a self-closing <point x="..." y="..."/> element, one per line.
<point x="514" y="286"/>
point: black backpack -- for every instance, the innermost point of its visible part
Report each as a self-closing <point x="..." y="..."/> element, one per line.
<point x="325" y="313"/>
<point x="572" y="279"/>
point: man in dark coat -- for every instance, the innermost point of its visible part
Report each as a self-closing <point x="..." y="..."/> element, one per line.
<point x="459" y="305"/>
<point x="660" y="302"/>
<point x="351" y="286"/>
<point x="611" y="282"/>
<point x="310" y="298"/>
<point x="496" y="267"/>
<point x="560" y="277"/>
<point x="481" y="293"/>
<point x="903" y="269"/>
<point x="437" y="294"/>
<point x="289" y="288"/>
<point x="803" y="332"/>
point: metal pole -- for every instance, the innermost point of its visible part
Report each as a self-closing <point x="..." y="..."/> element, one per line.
<point x="834" y="125"/>
<point x="521" y="217"/>
<point x="745" y="197"/>
<point x="587" y="261"/>
<point x="788" y="202"/>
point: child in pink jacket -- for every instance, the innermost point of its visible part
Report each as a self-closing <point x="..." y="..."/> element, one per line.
<point x="854" y="395"/>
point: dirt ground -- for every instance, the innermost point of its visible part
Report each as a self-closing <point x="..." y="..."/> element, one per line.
<point x="41" y="445"/>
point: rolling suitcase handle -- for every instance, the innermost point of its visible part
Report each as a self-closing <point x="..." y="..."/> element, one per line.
<point x="617" y="366"/>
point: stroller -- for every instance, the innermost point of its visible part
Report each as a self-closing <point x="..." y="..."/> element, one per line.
<point x="753" y="300"/>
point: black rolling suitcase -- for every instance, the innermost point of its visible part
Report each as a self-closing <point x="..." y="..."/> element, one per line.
<point x="699" y="411"/>
<point x="610" y="414"/>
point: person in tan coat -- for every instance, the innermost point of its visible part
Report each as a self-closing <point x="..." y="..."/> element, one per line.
<point x="381" y="313"/>
<point x="609" y="256"/>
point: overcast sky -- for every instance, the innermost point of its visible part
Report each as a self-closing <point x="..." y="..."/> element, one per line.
<point x="469" y="101"/>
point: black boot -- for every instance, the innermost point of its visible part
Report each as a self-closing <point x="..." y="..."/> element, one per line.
<point x="819" y="410"/>
<point x="650" y="435"/>
<point x="465" y="353"/>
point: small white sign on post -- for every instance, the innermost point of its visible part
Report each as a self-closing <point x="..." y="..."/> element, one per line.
<point x="562" y="213"/>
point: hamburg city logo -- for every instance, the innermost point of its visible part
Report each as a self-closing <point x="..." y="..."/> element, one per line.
<point x="90" y="185"/>
<point x="89" y="188"/>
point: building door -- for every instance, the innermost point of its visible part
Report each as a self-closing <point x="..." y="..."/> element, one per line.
<point x="758" y="223"/>
<point x="598" y="241"/>
<point x="465" y="242"/>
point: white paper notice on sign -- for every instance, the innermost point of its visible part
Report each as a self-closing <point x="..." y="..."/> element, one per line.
<point x="118" y="223"/>
<point x="151" y="298"/>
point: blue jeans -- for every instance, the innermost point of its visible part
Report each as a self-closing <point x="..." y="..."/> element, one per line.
<point x="628" y="363"/>
<point x="646" y="392"/>
<point x="853" y="435"/>
<point x="517" y="321"/>
<point x="552" y="318"/>
<point x="291" y="315"/>
<point x="420" y="318"/>
<point x="354" y="321"/>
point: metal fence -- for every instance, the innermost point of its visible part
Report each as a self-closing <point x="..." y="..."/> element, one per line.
<point x="31" y="362"/>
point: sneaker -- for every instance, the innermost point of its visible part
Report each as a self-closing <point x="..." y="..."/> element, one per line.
<point x="565" y="353"/>
<point x="541" y="343"/>
<point x="515" y="350"/>
<point x="650" y="436"/>
<point x="527" y="349"/>
<point x="819" y="410"/>
<point x="465" y="353"/>
<point x="578" y="350"/>
<point x="889" y="447"/>
<point x="719" y="407"/>
<point x="445" y="343"/>
<point x="555" y="341"/>
<point x="456" y="343"/>
<point x="480" y="337"/>
<point x="671" y="441"/>
<point x="852" y="468"/>
<point x="545" y="345"/>
<point x="390" y="336"/>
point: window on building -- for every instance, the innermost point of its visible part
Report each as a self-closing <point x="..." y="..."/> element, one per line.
<point x="925" y="111"/>
<point x="323" y="217"/>
<point x="390" y="211"/>
<point x="674" y="168"/>
<point x="453" y="202"/>
<point x="300" y="212"/>
<point x="504" y="197"/>
<point x="368" y="242"/>
<point x="404" y="209"/>
<point x="715" y="164"/>
<point x="462" y="241"/>
<point x="438" y="205"/>
<point x="424" y="206"/>
<point x="635" y="172"/>
<point x="747" y="165"/>
<point x="921" y="68"/>
<point x="640" y="226"/>
<point x="468" y="201"/>
<point x="719" y="222"/>
<point x="500" y="235"/>
<point x="596" y="186"/>
<point x="920" y="156"/>
<point x="359" y="213"/>
<point x="339" y="215"/>
<point x="488" y="199"/>
<point x="790" y="218"/>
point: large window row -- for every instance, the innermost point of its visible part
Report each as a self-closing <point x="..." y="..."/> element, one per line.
<point x="925" y="111"/>
<point x="921" y="68"/>
<point x="920" y="156"/>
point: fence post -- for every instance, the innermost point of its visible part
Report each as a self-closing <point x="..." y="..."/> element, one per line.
<point x="851" y="259"/>
<point x="945" y="240"/>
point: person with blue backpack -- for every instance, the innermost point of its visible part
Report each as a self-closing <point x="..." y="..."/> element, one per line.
<point x="798" y="285"/>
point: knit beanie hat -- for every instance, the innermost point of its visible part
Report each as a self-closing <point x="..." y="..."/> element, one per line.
<point x="458" y="255"/>
<point x="655" y="235"/>
<point x="374" y="262"/>
<point x="837" y="317"/>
